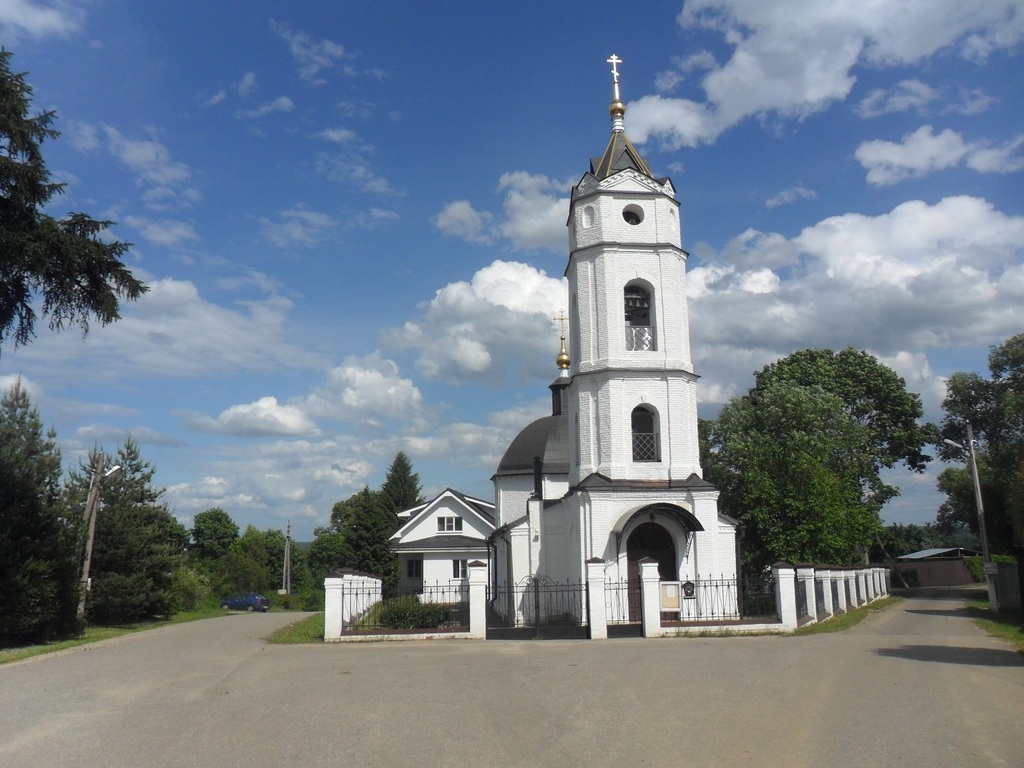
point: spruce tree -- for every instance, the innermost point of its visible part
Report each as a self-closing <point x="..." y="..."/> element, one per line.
<point x="401" y="489"/>
<point x="38" y="544"/>
<point x="68" y="262"/>
<point x="138" y="543"/>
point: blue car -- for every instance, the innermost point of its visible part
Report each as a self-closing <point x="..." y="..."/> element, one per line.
<point x="250" y="601"/>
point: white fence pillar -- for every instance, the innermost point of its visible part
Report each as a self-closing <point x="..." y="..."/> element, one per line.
<point x="785" y="594"/>
<point x="597" y="614"/>
<point x="862" y="587"/>
<point x="332" y="608"/>
<point x="477" y="599"/>
<point x="650" y="596"/>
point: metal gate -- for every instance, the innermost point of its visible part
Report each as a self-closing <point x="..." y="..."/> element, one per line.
<point x="540" y="606"/>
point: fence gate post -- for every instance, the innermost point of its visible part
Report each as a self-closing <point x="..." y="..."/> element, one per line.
<point x="597" y="621"/>
<point x="650" y="596"/>
<point x="478" y="599"/>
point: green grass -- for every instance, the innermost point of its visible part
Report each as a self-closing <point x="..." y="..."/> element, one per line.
<point x="849" y="619"/>
<point x="1006" y="626"/>
<point x="307" y="630"/>
<point x="96" y="634"/>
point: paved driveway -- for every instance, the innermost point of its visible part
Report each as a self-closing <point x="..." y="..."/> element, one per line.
<point x="917" y="685"/>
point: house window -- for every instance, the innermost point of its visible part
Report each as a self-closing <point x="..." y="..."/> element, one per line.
<point x="460" y="569"/>
<point x="449" y="524"/>
<point x="639" y="328"/>
<point x="645" y="435"/>
<point x="414" y="568"/>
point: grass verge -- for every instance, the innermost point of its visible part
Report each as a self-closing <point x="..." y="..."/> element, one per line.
<point x="307" y="630"/>
<point x="1006" y="626"/>
<point x="849" y="619"/>
<point x="96" y="634"/>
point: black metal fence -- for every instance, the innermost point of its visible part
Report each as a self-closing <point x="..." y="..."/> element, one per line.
<point x="539" y="601"/>
<point x="758" y="599"/>
<point x="622" y="602"/>
<point x="441" y="607"/>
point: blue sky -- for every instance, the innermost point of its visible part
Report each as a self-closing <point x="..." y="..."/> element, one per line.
<point x="352" y="216"/>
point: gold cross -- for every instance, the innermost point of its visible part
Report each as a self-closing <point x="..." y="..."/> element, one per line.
<point x="561" y="320"/>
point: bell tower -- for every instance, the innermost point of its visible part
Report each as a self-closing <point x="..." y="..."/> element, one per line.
<point x="632" y="400"/>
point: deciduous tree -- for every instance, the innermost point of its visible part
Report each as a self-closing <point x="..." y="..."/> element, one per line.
<point x="995" y="408"/>
<point x="77" y="273"/>
<point x="799" y="458"/>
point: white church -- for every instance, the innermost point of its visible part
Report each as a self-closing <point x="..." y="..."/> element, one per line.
<point x="614" y="472"/>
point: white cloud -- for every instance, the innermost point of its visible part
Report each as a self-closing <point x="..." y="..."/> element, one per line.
<point x="247" y="85"/>
<point x="907" y="95"/>
<point x="338" y="135"/>
<point x="916" y="155"/>
<point x="368" y="390"/>
<point x="173" y="332"/>
<point x="922" y="152"/>
<point x="1000" y="159"/>
<point x="40" y="19"/>
<point x="280" y="104"/>
<point x="313" y="56"/>
<point x="533" y="215"/>
<point x="534" y="212"/>
<point x="298" y="227"/>
<point x="500" y="321"/>
<point x="916" y="279"/>
<point x="789" y="196"/>
<point x="459" y="219"/>
<point x="149" y="159"/>
<point x="353" y="169"/>
<point x="793" y="58"/>
<point x="262" y="417"/>
<point x="166" y="233"/>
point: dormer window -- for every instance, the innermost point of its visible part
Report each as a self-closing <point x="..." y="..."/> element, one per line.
<point x="639" y="329"/>
<point x="449" y="525"/>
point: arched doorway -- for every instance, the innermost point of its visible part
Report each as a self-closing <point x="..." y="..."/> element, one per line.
<point x="649" y="540"/>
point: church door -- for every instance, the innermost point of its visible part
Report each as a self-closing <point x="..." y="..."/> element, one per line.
<point x="649" y="540"/>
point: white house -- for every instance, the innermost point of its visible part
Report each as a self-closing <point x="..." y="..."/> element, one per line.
<point x="614" y="471"/>
<point x="442" y="536"/>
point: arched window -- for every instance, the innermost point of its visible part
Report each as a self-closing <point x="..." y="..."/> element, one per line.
<point x="646" y="441"/>
<point x="639" y="328"/>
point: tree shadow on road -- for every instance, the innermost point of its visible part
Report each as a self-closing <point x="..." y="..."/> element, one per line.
<point x="977" y="657"/>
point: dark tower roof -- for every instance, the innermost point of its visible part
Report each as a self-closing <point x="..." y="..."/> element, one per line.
<point x="620" y="155"/>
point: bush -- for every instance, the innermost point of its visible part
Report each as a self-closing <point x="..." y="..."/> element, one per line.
<point x="190" y="589"/>
<point x="977" y="567"/>
<point x="407" y="612"/>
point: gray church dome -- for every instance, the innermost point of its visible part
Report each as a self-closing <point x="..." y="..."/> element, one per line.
<point x="548" y="438"/>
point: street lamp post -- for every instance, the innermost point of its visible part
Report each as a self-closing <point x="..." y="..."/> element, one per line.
<point x="986" y="556"/>
<point x="91" y="505"/>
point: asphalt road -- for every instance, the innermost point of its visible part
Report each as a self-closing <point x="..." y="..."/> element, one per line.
<point x="916" y="685"/>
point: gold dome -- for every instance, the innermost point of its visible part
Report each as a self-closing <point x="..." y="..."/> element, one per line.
<point x="562" y="358"/>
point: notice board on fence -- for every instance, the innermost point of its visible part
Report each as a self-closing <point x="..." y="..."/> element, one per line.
<point x="670" y="596"/>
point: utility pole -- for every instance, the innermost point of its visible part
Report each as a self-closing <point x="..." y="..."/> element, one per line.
<point x="90" y="523"/>
<point x="986" y="556"/>
<point x="91" y="507"/>
<point x="286" y="577"/>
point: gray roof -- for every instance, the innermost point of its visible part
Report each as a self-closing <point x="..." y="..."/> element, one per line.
<point x="445" y="543"/>
<point x="925" y="554"/>
<point x="548" y="438"/>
